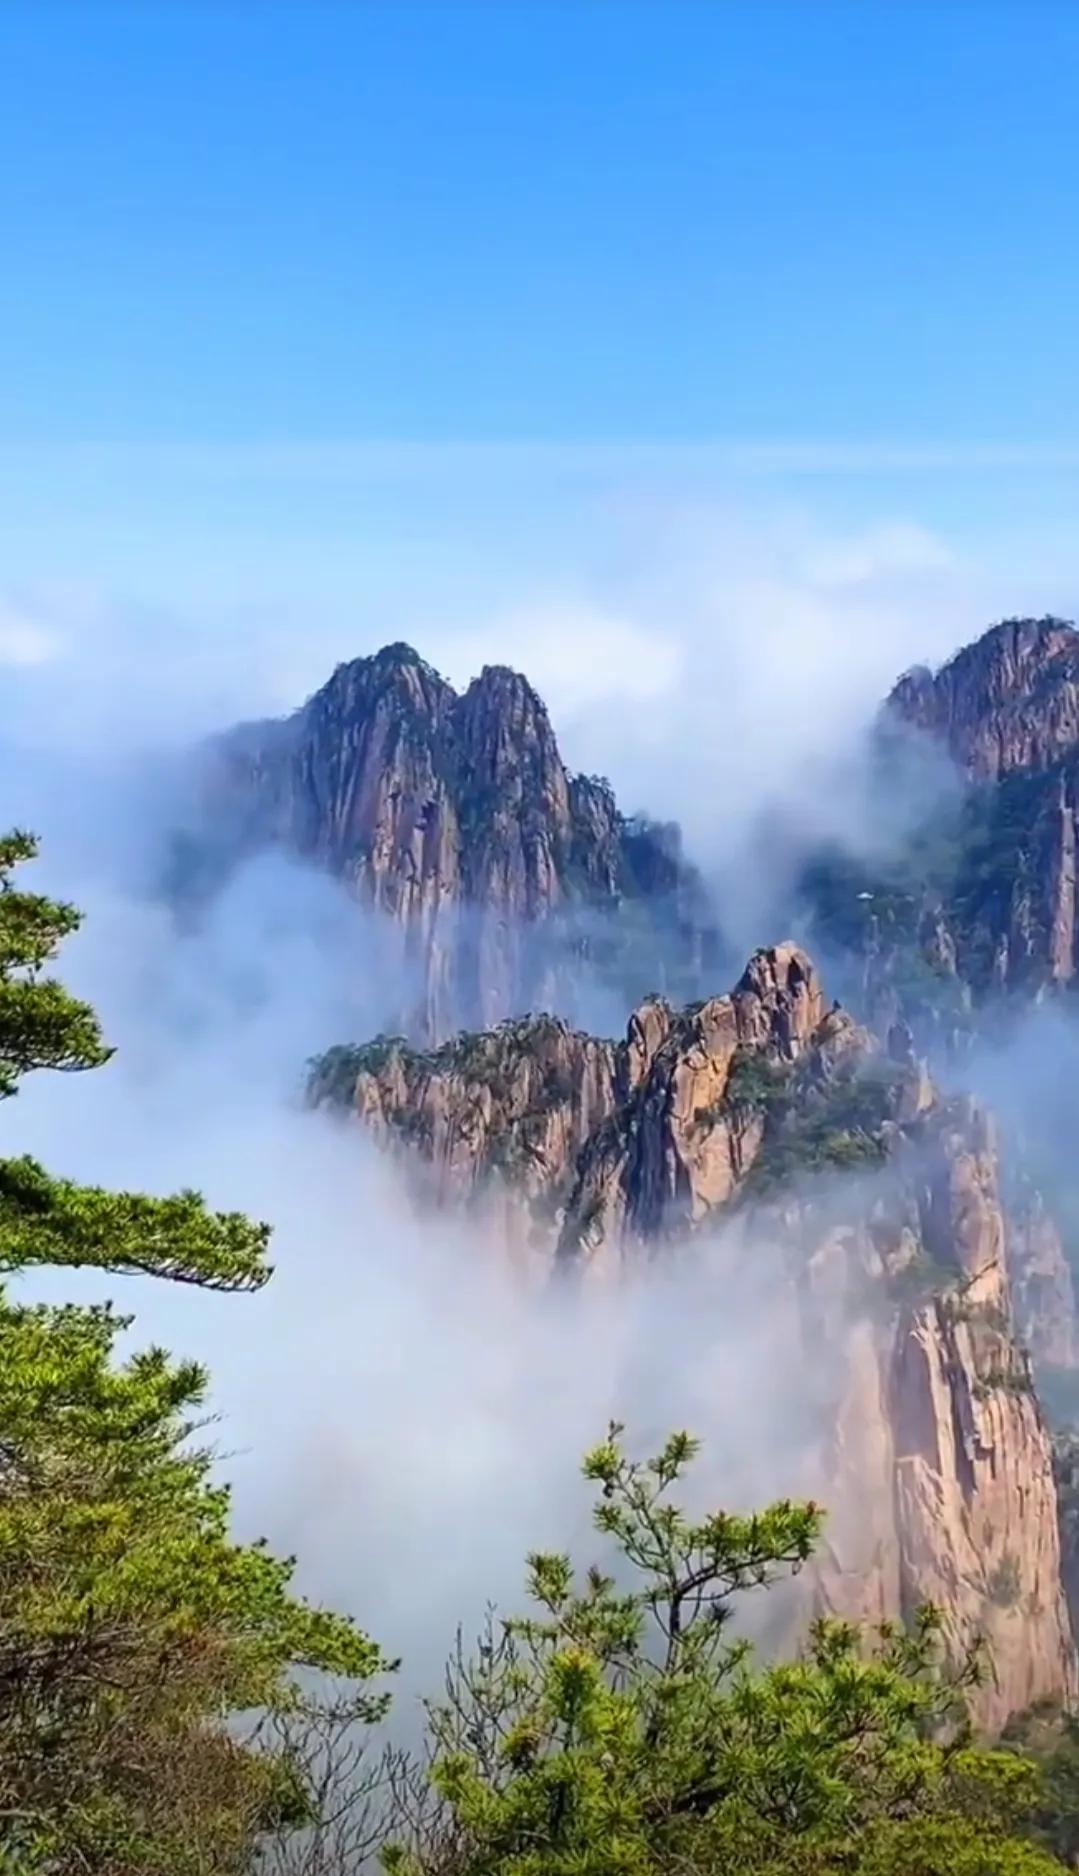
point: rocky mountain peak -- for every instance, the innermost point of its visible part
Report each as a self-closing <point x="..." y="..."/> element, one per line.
<point x="395" y="671"/>
<point x="980" y="899"/>
<point x="779" y="1000"/>
<point x="398" y="655"/>
<point x="1008" y="701"/>
<point x="508" y="751"/>
<point x="628" y="1141"/>
<point x="504" y="694"/>
<point x="453" y="814"/>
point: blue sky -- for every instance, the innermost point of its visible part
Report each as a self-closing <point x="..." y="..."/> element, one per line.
<point x="589" y="221"/>
<point x="709" y="362"/>
<point x="630" y="342"/>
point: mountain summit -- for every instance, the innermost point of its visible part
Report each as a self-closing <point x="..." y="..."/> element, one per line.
<point x="979" y="900"/>
<point x="1009" y="701"/>
<point x="454" y="815"/>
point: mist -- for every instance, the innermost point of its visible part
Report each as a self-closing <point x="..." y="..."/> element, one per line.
<point x="396" y="1407"/>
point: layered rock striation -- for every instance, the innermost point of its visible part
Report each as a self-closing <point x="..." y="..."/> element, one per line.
<point x="1008" y="701"/>
<point x="513" y="882"/>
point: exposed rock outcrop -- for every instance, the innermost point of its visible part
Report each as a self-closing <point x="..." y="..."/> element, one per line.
<point x="496" y="1120"/>
<point x="454" y="816"/>
<point x="1009" y="701"/>
<point x="941" y="1470"/>
<point x="980" y="900"/>
<point x="771" y="1118"/>
<point x="1006" y="709"/>
<point x="973" y="917"/>
<point x="609" y="1145"/>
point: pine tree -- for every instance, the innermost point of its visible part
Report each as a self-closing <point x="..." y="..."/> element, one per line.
<point x="619" y="1730"/>
<point x="133" y="1629"/>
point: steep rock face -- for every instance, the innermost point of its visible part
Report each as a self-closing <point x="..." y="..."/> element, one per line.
<point x="1009" y="701"/>
<point x="496" y="1120"/>
<point x="980" y="899"/>
<point x="603" y="1143"/>
<point x="1007" y="710"/>
<point x="455" y="817"/>
<point x="941" y="1465"/>
<point x="684" y="1139"/>
<point x="974" y="917"/>
<point x="782" y="1121"/>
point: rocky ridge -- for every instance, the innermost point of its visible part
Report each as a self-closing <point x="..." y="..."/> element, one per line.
<point x="972" y="919"/>
<point x="454" y="816"/>
<point x="1008" y="701"/>
<point x="980" y="900"/>
<point x="769" y="1116"/>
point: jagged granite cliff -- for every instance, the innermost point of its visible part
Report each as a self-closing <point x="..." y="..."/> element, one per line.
<point x="1009" y="701"/>
<point x="980" y="899"/>
<point x="1007" y="710"/>
<point x="514" y="884"/>
<point x="972" y="918"/>
<point x="767" y="1116"/>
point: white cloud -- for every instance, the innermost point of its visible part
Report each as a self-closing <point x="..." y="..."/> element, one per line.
<point x="898" y="547"/>
<point x="575" y="654"/>
<point x="709" y="657"/>
<point x="716" y="650"/>
<point x="751" y="647"/>
<point x="24" y="639"/>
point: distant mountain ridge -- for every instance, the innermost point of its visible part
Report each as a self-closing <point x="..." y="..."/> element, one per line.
<point x="980" y="902"/>
<point x="454" y="815"/>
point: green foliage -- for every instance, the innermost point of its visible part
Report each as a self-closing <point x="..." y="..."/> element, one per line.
<point x="41" y="1026"/>
<point x="962" y="869"/>
<point x="132" y="1627"/>
<point x="924" y="1277"/>
<point x="45" y="1220"/>
<point x="957" y="1307"/>
<point x="811" y="1124"/>
<point x="1003" y="1381"/>
<point x="484" y="1056"/>
<point x="620" y="1730"/>
<point x="817" y="1126"/>
<point x="755" y="1082"/>
<point x="1050" y="1738"/>
<point x="332" y="1076"/>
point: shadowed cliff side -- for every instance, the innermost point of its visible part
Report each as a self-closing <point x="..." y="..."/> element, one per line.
<point x="980" y="899"/>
